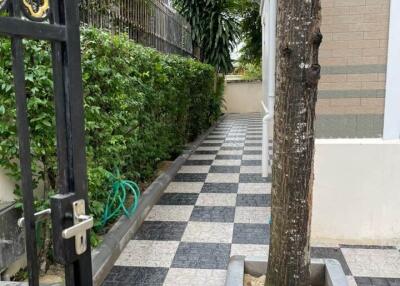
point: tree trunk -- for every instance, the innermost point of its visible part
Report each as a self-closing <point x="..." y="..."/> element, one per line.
<point x="196" y="52"/>
<point x="298" y="72"/>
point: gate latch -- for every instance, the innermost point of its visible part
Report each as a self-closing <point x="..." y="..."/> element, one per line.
<point x="44" y="214"/>
<point x="82" y="223"/>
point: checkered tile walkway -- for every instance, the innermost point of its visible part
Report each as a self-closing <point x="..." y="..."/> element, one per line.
<point x="218" y="205"/>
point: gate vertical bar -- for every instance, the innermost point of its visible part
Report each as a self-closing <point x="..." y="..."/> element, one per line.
<point x="60" y="106"/>
<point x="24" y="151"/>
<point x="25" y="161"/>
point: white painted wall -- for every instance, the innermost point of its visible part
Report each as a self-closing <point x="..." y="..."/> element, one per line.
<point x="6" y="187"/>
<point x="243" y="97"/>
<point x="357" y="191"/>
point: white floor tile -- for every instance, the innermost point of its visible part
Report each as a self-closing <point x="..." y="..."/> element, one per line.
<point x="252" y="215"/>
<point x="184" y="187"/>
<point x="373" y="262"/>
<point x="146" y="253"/>
<point x="195" y="277"/>
<point x="222" y="178"/>
<point x="208" y="232"/>
<point x="170" y="213"/>
<point x="215" y="200"/>
<point x="254" y="188"/>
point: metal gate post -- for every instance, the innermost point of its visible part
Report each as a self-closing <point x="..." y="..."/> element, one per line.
<point x="70" y="137"/>
<point x="70" y="142"/>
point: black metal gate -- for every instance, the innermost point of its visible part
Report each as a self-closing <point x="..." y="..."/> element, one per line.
<point x="56" y="21"/>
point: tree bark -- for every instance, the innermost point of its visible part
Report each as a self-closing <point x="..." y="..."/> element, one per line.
<point x="298" y="73"/>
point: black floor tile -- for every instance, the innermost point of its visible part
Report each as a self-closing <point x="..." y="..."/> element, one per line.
<point x="333" y="253"/>
<point x="251" y="162"/>
<point x="228" y="157"/>
<point x="253" y="133"/>
<point x="213" y="214"/>
<point x="231" y="148"/>
<point x="202" y="255"/>
<point x="143" y="276"/>
<point x="253" y="200"/>
<point x="220" y="188"/>
<point x="198" y="162"/>
<point x="253" y="144"/>
<point x="161" y="230"/>
<point x="178" y="199"/>
<point x="250" y="233"/>
<point x="224" y="169"/>
<point x="253" y="178"/>
<point x="375" y="281"/>
<point x="210" y="144"/>
<point x="206" y="152"/>
<point x="252" y="152"/>
<point x="190" y="177"/>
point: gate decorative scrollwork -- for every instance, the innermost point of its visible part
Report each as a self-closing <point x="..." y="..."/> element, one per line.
<point x="34" y="10"/>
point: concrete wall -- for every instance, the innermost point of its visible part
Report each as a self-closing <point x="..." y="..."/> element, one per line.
<point x="6" y="188"/>
<point x="353" y="57"/>
<point x="243" y="96"/>
<point x="357" y="191"/>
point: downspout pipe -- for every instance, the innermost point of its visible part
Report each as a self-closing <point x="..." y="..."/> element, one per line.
<point x="270" y="82"/>
<point x="265" y="141"/>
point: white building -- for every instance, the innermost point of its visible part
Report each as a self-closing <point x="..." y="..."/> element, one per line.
<point x="357" y="163"/>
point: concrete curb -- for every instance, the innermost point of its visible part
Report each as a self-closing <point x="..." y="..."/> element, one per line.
<point x="105" y="256"/>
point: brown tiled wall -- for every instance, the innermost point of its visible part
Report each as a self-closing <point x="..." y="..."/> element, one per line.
<point x="355" y="32"/>
<point x="353" y="58"/>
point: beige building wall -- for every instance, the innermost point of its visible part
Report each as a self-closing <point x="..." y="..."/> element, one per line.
<point x="7" y="187"/>
<point x="243" y="96"/>
<point x="353" y="57"/>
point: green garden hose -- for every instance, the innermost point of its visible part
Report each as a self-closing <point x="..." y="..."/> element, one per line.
<point x="118" y="196"/>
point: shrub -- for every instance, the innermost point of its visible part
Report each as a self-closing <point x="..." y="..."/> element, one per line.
<point x="141" y="107"/>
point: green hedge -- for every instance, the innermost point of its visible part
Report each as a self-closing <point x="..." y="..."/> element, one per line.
<point x="141" y="107"/>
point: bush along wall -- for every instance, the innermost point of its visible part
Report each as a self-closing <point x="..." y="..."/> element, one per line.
<point x="141" y="107"/>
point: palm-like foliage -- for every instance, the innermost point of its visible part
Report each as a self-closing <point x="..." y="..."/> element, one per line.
<point x="214" y="30"/>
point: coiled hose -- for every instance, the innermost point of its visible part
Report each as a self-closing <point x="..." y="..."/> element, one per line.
<point x="118" y="196"/>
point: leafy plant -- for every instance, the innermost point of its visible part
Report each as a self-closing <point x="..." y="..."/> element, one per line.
<point x="252" y="71"/>
<point x="141" y="107"/>
<point x="214" y="30"/>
